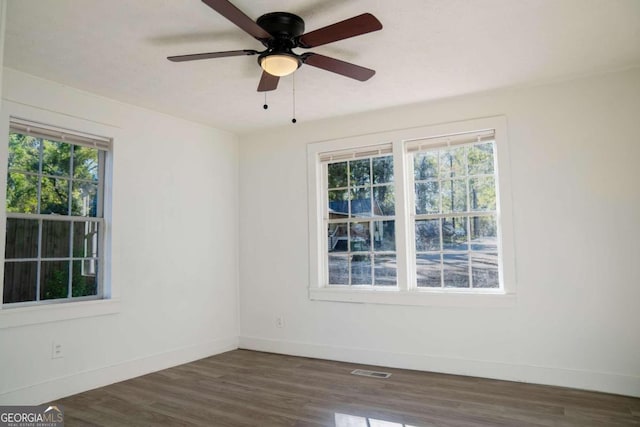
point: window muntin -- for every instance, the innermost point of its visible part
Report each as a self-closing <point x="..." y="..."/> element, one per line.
<point x="455" y="216"/>
<point x="54" y="209"/>
<point x="359" y="218"/>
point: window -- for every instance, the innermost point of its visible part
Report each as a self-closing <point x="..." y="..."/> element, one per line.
<point x="455" y="217"/>
<point x="414" y="213"/>
<point x="54" y="244"/>
<point x="360" y="220"/>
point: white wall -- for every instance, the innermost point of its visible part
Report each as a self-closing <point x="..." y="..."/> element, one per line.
<point x="174" y="251"/>
<point x="574" y="149"/>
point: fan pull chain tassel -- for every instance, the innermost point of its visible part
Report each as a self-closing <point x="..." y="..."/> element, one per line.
<point x="265" y="106"/>
<point x="294" y="99"/>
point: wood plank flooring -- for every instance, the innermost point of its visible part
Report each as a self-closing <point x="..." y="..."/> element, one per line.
<point x="247" y="388"/>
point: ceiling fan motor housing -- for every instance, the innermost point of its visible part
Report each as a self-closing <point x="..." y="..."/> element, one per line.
<point x="285" y="28"/>
<point x="282" y="24"/>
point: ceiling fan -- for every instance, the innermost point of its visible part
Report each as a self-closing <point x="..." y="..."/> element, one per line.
<point x="280" y="32"/>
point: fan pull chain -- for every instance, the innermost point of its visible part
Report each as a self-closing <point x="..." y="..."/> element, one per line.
<point x="265" y="106"/>
<point x="294" y="99"/>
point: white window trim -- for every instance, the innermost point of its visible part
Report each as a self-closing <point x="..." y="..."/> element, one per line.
<point x="404" y="294"/>
<point x="69" y="309"/>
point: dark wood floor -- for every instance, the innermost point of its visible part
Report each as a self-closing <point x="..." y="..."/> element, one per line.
<point x="246" y="388"/>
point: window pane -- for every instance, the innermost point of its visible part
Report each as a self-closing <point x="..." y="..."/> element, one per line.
<point x="425" y="165"/>
<point x="54" y="196"/>
<point x="24" y="153"/>
<point x="55" y="239"/>
<point x="85" y="199"/>
<point x="20" y="281"/>
<point x="484" y="268"/>
<point x="338" y="270"/>
<point x="21" y="238"/>
<point x="484" y="233"/>
<point x="482" y="194"/>
<point x="338" y="203"/>
<point x="360" y="237"/>
<point x="385" y="270"/>
<point x="361" y="270"/>
<point x="360" y="172"/>
<point x="384" y="235"/>
<point x="427" y="198"/>
<point x="454" y="234"/>
<point x="22" y="193"/>
<point x="337" y="174"/>
<point x="452" y="162"/>
<point x="481" y="159"/>
<point x="382" y="169"/>
<point x="456" y="270"/>
<point x="384" y="201"/>
<point x="85" y="163"/>
<point x="428" y="235"/>
<point x="84" y="281"/>
<point x="454" y="195"/>
<point x="337" y="235"/>
<point x="56" y="158"/>
<point x="85" y="239"/>
<point x="54" y="279"/>
<point x="428" y="271"/>
<point x="361" y="202"/>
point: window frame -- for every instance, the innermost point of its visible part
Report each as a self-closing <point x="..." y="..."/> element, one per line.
<point x="22" y="127"/>
<point x="355" y="219"/>
<point x="407" y="292"/>
<point x="434" y="145"/>
<point x="19" y="314"/>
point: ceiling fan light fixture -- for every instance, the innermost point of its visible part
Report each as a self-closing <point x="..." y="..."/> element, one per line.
<point x="280" y="65"/>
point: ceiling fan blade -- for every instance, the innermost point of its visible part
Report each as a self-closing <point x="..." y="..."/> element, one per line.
<point x="339" y="67"/>
<point x="351" y="27"/>
<point x="195" y="56"/>
<point x="235" y="15"/>
<point x="268" y="82"/>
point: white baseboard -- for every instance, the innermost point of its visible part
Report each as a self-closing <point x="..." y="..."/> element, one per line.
<point x="580" y="379"/>
<point x="57" y="388"/>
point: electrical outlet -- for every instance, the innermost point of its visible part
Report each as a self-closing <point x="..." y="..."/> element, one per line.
<point x="279" y="322"/>
<point x="57" y="351"/>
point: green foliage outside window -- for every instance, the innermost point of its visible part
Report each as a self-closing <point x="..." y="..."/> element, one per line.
<point x="24" y="169"/>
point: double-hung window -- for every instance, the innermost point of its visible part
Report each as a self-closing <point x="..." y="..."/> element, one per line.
<point x="54" y="243"/>
<point x="415" y="213"/>
<point x="360" y="218"/>
<point x="454" y="211"/>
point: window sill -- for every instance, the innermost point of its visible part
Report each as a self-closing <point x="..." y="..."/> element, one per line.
<point x="36" y="314"/>
<point x="415" y="297"/>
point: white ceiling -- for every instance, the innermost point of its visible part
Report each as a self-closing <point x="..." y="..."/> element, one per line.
<point x="428" y="49"/>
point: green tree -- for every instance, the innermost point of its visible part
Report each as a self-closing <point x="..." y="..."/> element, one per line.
<point x="34" y="161"/>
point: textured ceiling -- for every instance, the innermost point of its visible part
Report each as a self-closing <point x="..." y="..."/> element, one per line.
<point x="428" y="49"/>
